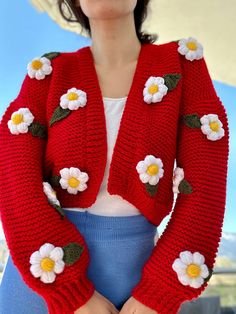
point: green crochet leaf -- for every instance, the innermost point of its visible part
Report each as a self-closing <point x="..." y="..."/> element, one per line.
<point x="54" y="180"/>
<point x="38" y="129"/>
<point x="209" y="276"/>
<point x="51" y="55"/>
<point x="171" y="80"/>
<point x="59" y="114"/>
<point x="72" y="252"/>
<point x="192" y="120"/>
<point x="184" y="187"/>
<point x="151" y="189"/>
<point x="59" y="209"/>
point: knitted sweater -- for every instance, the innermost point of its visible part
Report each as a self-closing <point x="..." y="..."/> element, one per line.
<point x="53" y="149"/>
<point x="107" y="204"/>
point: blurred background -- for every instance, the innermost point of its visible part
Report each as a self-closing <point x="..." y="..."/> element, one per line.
<point x="26" y="31"/>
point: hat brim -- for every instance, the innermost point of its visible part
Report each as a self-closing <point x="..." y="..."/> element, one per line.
<point x="52" y="9"/>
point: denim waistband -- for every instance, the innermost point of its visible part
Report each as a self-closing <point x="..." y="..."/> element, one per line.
<point x="101" y="227"/>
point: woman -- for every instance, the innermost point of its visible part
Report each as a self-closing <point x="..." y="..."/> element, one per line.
<point x="84" y="241"/>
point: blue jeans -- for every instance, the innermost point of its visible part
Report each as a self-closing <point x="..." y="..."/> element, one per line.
<point x="119" y="246"/>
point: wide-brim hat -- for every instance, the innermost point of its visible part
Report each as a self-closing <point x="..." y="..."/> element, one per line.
<point x="52" y="9"/>
<point x="176" y="19"/>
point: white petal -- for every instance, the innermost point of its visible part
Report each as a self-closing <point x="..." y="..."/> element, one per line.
<point x="39" y="75"/>
<point x="206" y="129"/>
<point x="196" y="282"/>
<point x="48" y="276"/>
<point x="198" y="258"/>
<point x="182" y="41"/>
<point x="59" y="267"/>
<point x="157" y="97"/>
<point x="72" y="190"/>
<point x="191" y="55"/>
<point x="82" y="187"/>
<point x="45" y="60"/>
<point x="141" y="167"/>
<point x="28" y="118"/>
<point x="73" y="104"/>
<point x="36" y="270"/>
<point x="184" y="279"/>
<point x="213" y="136"/>
<point x="183" y="50"/>
<point x="22" y="127"/>
<point x="46" y="249"/>
<point x="144" y="177"/>
<point x="212" y="117"/>
<point x="83" y="177"/>
<point x="65" y="173"/>
<point x="150" y="159"/>
<point x="57" y="253"/>
<point x="204" y="271"/>
<point x="153" y="180"/>
<point x="35" y="257"/>
<point x="159" y="80"/>
<point x="163" y="89"/>
<point x="75" y="172"/>
<point x="64" y="183"/>
<point x="179" y="266"/>
<point x="150" y="81"/>
<point x="186" y="257"/>
<point x="159" y="162"/>
<point x="47" y="69"/>
<point x="148" y="98"/>
<point x="73" y="89"/>
<point x="161" y="173"/>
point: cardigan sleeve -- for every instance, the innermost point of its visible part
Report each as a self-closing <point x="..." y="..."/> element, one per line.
<point x="182" y="261"/>
<point x="49" y="252"/>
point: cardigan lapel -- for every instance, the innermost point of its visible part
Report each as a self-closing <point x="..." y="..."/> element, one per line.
<point x="96" y="132"/>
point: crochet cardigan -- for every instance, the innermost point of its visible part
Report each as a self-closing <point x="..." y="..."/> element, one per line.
<point x="53" y="154"/>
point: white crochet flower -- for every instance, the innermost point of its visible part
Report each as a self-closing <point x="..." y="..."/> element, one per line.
<point x="190" y="269"/>
<point x="39" y="67"/>
<point x="150" y="169"/>
<point x="154" y="89"/>
<point x="190" y="48"/>
<point x="20" y="120"/>
<point x="47" y="262"/>
<point x="212" y="126"/>
<point x="50" y="193"/>
<point x="73" y="99"/>
<point x="177" y="178"/>
<point x="73" y="180"/>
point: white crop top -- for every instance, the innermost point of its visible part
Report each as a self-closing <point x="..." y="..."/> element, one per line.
<point x="107" y="204"/>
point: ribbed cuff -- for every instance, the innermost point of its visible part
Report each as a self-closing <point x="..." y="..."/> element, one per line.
<point x="162" y="301"/>
<point x="68" y="298"/>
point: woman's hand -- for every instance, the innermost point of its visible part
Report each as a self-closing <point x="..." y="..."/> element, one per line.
<point x="134" y="306"/>
<point x="97" y="304"/>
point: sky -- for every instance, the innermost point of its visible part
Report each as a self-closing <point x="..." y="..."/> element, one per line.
<point x="26" y="33"/>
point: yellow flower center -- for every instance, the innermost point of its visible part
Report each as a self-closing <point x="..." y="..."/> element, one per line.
<point x="214" y="126"/>
<point x="72" y="96"/>
<point x="152" y="169"/>
<point x="47" y="264"/>
<point x="17" y="118"/>
<point x="73" y="182"/>
<point x="36" y="64"/>
<point x="193" y="270"/>
<point x="54" y="192"/>
<point x="153" y="89"/>
<point x="191" y="45"/>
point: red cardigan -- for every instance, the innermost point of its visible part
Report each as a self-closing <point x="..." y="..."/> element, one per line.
<point x="171" y="114"/>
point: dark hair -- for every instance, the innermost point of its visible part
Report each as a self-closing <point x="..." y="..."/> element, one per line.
<point x="140" y="14"/>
